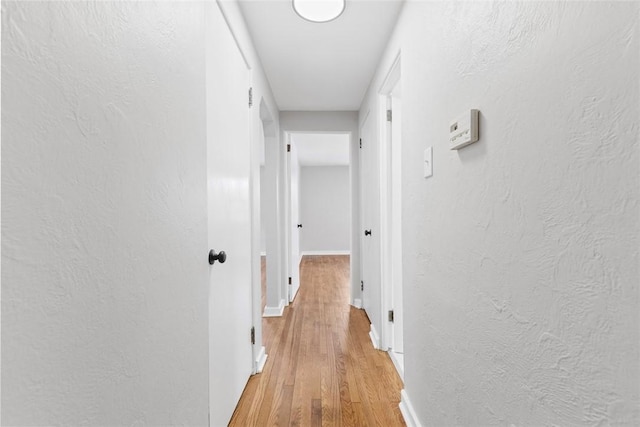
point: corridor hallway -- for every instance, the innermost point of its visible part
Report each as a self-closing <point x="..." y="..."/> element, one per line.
<point x="322" y="368"/>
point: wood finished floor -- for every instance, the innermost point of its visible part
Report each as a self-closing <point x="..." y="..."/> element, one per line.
<point x="322" y="369"/>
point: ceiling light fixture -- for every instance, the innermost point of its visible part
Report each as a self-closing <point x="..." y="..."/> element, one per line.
<point x="319" y="10"/>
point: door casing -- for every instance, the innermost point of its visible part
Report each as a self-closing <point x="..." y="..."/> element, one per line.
<point x="390" y="212"/>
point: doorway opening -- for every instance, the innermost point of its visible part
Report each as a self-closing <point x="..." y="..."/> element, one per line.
<point x="273" y="293"/>
<point x="319" y="175"/>
<point x="264" y="210"/>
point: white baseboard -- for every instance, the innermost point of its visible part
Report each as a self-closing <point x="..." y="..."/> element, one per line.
<point x="336" y="252"/>
<point x="261" y="360"/>
<point x="275" y="311"/>
<point x="294" y="292"/>
<point x="398" y="362"/>
<point x="357" y="303"/>
<point x="375" y="338"/>
<point x="263" y="254"/>
<point x="408" y="413"/>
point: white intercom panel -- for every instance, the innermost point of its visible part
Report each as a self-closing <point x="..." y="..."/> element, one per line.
<point x="463" y="130"/>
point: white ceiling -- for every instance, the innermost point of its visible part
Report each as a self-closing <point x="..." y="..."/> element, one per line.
<point x="320" y="67"/>
<point x="321" y="149"/>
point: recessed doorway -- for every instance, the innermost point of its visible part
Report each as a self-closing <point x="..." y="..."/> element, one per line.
<point x="320" y="202"/>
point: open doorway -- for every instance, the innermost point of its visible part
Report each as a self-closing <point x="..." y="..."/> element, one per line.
<point x="320" y="198"/>
<point x="273" y="291"/>
<point x="264" y="214"/>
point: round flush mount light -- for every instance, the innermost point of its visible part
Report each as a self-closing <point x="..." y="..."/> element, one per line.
<point x="319" y="10"/>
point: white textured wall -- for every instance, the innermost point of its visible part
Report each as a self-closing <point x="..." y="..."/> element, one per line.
<point x="104" y="284"/>
<point x="521" y="253"/>
<point x="325" y="211"/>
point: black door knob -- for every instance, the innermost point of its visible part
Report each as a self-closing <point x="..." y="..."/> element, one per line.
<point x="367" y="232"/>
<point x="220" y="257"/>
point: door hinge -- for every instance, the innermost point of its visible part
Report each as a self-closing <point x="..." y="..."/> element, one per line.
<point x="361" y="285"/>
<point x="288" y="148"/>
<point x="253" y="335"/>
<point x="390" y="315"/>
<point x="289" y="280"/>
<point x="250" y="97"/>
<point x="389" y="115"/>
<point x="360" y="142"/>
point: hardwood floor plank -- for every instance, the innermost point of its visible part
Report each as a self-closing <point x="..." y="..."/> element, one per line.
<point x="316" y="413"/>
<point x="331" y="413"/>
<point x="284" y="412"/>
<point x="322" y="368"/>
<point x="359" y="418"/>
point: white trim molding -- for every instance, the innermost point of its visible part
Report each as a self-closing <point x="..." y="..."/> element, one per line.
<point x="375" y="338"/>
<point x="261" y="359"/>
<point x="398" y="362"/>
<point x="275" y="311"/>
<point x="408" y="413"/>
<point x="357" y="303"/>
<point x="294" y="292"/>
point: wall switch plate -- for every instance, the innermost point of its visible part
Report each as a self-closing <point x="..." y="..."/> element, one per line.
<point x="428" y="162"/>
<point x="463" y="130"/>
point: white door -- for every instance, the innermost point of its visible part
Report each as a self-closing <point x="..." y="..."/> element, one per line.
<point x="370" y="233"/>
<point x="229" y="223"/>
<point x="294" y="263"/>
<point x="395" y="186"/>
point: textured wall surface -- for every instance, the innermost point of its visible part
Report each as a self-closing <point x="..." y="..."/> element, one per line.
<point x="325" y="208"/>
<point x="521" y="252"/>
<point x="104" y="292"/>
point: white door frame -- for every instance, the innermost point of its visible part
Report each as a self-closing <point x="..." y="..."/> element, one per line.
<point x="293" y="289"/>
<point x="263" y="127"/>
<point x="275" y="234"/>
<point x="386" y="205"/>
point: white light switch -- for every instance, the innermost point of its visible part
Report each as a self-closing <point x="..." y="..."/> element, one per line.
<point x="428" y="162"/>
<point x="463" y="130"/>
